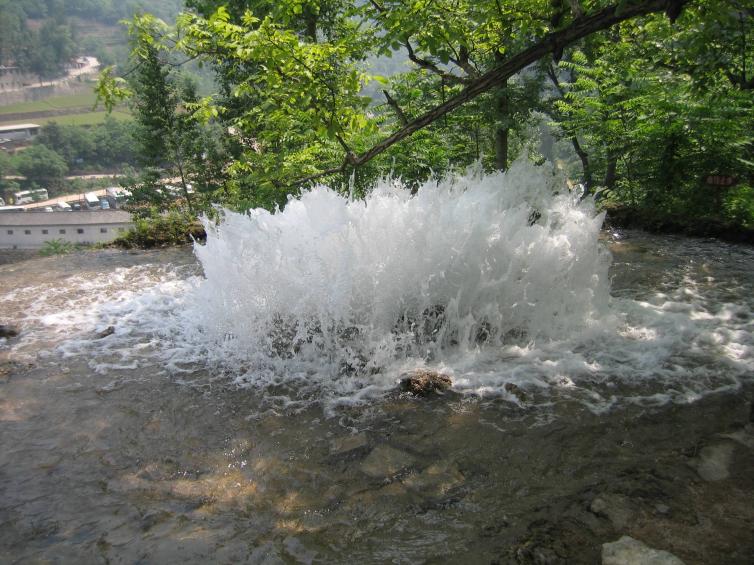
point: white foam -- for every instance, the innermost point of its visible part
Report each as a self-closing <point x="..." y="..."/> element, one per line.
<point x="494" y="279"/>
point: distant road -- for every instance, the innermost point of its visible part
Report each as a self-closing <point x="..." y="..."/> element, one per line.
<point x="113" y="176"/>
<point x="91" y="64"/>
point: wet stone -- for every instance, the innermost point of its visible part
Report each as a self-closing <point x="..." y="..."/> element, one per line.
<point x="615" y="507"/>
<point x="437" y="479"/>
<point x="348" y="444"/>
<point x="516" y="391"/>
<point x="422" y="382"/>
<point x="628" y="551"/>
<point x="713" y="463"/>
<point x="744" y="436"/>
<point x="151" y="519"/>
<point x="385" y="462"/>
<point x="8" y="331"/>
<point x="109" y="330"/>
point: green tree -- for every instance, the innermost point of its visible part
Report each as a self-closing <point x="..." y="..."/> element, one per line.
<point x="43" y="167"/>
<point x="292" y="75"/>
<point x="659" y="113"/>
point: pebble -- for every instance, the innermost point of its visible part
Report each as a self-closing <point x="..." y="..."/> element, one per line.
<point x="628" y="551"/>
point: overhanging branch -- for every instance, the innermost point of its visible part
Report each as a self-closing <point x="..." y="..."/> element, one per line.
<point x="555" y="41"/>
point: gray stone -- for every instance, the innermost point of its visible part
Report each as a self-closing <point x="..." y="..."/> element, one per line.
<point x="385" y="462"/>
<point x="662" y="508"/>
<point x="516" y="391"/>
<point x="713" y="463"/>
<point x="343" y="445"/>
<point x="628" y="551"/>
<point x="109" y="330"/>
<point x="744" y="436"/>
<point x="437" y="479"/>
<point x="615" y="507"/>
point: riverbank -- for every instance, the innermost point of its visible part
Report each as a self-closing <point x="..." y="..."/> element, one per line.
<point x="628" y="218"/>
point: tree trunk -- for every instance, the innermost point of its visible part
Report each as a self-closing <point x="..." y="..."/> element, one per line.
<point x="587" y="175"/>
<point x="184" y="187"/>
<point x="502" y="132"/>
<point x="501" y="149"/>
<point x="310" y="21"/>
<point x="610" y="171"/>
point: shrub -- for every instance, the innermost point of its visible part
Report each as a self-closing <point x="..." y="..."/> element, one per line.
<point x="738" y="206"/>
<point x="159" y="230"/>
<point x="56" y="247"/>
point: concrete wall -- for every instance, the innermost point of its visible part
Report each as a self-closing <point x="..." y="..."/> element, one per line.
<point x="73" y="227"/>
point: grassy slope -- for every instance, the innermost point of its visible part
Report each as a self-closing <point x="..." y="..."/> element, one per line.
<point x="78" y="107"/>
<point x="84" y="119"/>
<point x="82" y="100"/>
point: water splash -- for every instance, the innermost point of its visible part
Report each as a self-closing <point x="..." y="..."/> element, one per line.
<point x="346" y="290"/>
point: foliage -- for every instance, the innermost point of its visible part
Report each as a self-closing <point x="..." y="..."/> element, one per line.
<point x="43" y="51"/>
<point x="105" y="146"/>
<point x="56" y="247"/>
<point x="739" y="206"/>
<point x="42" y="166"/>
<point x="658" y="113"/>
<point x="651" y="102"/>
<point x="158" y="229"/>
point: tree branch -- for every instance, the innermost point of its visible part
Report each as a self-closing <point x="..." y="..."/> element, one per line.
<point x="394" y="105"/>
<point x="432" y="67"/>
<point x="550" y="43"/>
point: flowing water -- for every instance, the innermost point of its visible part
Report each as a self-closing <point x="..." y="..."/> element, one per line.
<point x="244" y="407"/>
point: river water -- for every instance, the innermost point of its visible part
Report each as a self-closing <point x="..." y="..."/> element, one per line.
<point x="185" y="434"/>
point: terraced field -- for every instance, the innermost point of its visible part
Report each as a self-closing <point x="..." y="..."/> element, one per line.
<point x="73" y="109"/>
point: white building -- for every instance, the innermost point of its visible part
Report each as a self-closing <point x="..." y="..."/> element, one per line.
<point x="19" y="132"/>
<point x="30" y="230"/>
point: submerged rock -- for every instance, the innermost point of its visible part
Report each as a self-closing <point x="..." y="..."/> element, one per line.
<point x="615" y="507"/>
<point x="628" y="551"/>
<point x="348" y="444"/>
<point x="516" y="391"/>
<point x="385" y="462"/>
<point x="8" y="331"/>
<point x="423" y="382"/>
<point x="744" y="436"/>
<point x="714" y="462"/>
<point x="437" y="479"/>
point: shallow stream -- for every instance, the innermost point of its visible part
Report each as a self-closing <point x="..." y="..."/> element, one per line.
<point x="144" y="444"/>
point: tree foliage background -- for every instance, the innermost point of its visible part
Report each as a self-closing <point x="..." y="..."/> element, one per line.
<point x="647" y="99"/>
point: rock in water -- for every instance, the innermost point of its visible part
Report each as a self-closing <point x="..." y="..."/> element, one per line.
<point x="628" y="551"/>
<point x="615" y="507"/>
<point x="8" y="331"/>
<point x="423" y="382"/>
<point x="713" y="463"/>
<point x="348" y="444"/>
<point x="109" y="330"/>
<point x="516" y="391"/>
<point x="385" y="462"/>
